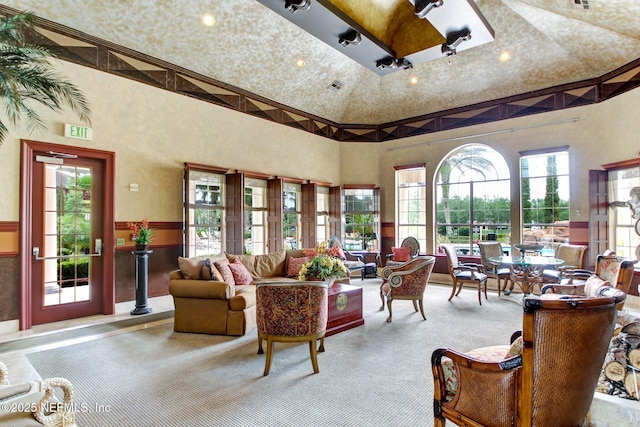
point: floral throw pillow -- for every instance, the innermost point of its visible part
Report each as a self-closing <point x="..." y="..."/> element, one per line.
<point x="293" y="268"/>
<point x="401" y="254"/>
<point x="610" y="269"/>
<point x="241" y="275"/>
<point x="225" y="270"/>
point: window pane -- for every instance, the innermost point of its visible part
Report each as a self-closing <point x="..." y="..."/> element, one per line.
<point x="361" y="217"/>
<point x="545" y="199"/>
<point x="473" y="198"/>
<point x="411" y="216"/>
<point x="205" y="213"/>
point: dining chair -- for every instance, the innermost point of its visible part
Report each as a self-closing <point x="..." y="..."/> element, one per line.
<point x="573" y="257"/>
<point x="291" y="312"/>
<point x="407" y="281"/>
<point x="488" y="250"/>
<point x="462" y="273"/>
<point x="533" y="382"/>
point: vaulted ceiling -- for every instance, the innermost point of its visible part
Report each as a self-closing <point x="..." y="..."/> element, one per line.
<point x="538" y="44"/>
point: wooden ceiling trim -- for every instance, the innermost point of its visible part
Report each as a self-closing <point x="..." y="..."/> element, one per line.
<point x="102" y="55"/>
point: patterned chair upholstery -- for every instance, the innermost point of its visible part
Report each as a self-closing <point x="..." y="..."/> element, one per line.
<point x="464" y="273"/>
<point x="414" y="250"/>
<point x="292" y="312"/>
<point x="534" y="382"/>
<point x="406" y="282"/>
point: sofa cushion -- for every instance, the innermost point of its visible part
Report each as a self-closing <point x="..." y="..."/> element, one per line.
<point x="241" y="275"/>
<point x="402" y="254"/>
<point x="223" y="267"/>
<point x="270" y="265"/>
<point x="294" y="265"/>
<point x="191" y="268"/>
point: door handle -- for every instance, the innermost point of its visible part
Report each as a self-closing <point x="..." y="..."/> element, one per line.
<point x="98" y="249"/>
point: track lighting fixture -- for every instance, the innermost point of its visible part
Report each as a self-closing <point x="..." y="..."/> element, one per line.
<point x="351" y="37"/>
<point x="294" y="6"/>
<point x="453" y="41"/>
<point x="391" y="63"/>
<point x="422" y="7"/>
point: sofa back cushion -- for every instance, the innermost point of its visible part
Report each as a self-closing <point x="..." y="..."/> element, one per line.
<point x="270" y="265"/>
<point x="191" y="268"/>
<point x="247" y="260"/>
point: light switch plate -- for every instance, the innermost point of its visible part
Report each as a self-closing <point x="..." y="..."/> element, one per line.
<point x="120" y="241"/>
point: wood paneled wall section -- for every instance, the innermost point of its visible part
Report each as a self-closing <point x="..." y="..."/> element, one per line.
<point x="335" y="211"/>
<point x="598" y="215"/>
<point x="275" y="241"/>
<point x="309" y="215"/>
<point x="234" y="213"/>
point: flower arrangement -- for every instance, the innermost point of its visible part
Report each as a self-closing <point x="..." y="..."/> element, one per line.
<point x="323" y="264"/>
<point x="142" y="233"/>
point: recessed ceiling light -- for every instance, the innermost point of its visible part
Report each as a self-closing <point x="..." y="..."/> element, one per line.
<point x="504" y="56"/>
<point x="300" y="63"/>
<point x="209" y="20"/>
<point x="414" y="80"/>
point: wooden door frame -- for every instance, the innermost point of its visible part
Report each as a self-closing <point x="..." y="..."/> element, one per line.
<point x="27" y="149"/>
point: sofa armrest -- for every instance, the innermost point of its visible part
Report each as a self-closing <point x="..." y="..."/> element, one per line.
<point x="244" y="298"/>
<point x="176" y="275"/>
<point x="203" y="289"/>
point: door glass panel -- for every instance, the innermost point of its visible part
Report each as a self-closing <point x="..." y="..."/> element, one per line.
<point x="67" y="230"/>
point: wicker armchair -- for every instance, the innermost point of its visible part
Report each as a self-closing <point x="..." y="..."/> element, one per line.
<point x="406" y="282"/>
<point x="465" y="273"/>
<point x="39" y="397"/>
<point x="539" y="387"/>
<point x="414" y="250"/>
<point x="292" y="312"/>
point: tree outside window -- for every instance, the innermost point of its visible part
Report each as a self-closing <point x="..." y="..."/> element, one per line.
<point x="473" y="198"/>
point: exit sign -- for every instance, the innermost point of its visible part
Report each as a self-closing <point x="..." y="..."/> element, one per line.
<point x="78" y="132"/>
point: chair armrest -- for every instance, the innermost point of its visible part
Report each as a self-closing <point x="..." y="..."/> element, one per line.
<point x="496" y="382"/>
<point x="395" y="275"/>
<point x="357" y="257"/>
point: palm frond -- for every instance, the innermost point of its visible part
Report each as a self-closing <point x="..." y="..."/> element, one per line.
<point x="28" y="76"/>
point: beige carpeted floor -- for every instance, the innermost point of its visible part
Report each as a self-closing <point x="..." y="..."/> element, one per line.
<point x="378" y="374"/>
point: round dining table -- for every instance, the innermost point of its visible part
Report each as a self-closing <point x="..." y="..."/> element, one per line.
<point x="526" y="271"/>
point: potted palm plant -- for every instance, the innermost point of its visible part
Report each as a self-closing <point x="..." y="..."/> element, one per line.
<point x="28" y="75"/>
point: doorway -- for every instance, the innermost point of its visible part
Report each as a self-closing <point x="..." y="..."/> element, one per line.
<point x="67" y="233"/>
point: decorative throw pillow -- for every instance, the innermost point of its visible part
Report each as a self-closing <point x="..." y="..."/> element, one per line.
<point x="293" y="268"/>
<point x="593" y="285"/>
<point x="241" y="275"/>
<point x="191" y="268"/>
<point x="401" y="254"/>
<point x="210" y="272"/>
<point x="223" y="267"/>
<point x="610" y="269"/>
<point x="515" y="349"/>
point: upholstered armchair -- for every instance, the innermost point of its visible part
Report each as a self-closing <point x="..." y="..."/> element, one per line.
<point x="409" y="249"/>
<point x="291" y="312"/>
<point x="406" y="282"/>
<point x="352" y="261"/>
<point x="488" y="250"/>
<point x="535" y="381"/>
<point x="39" y="397"/>
<point x="464" y="273"/>
<point x="616" y="270"/>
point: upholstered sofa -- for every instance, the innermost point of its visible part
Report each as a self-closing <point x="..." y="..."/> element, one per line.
<point x="213" y="299"/>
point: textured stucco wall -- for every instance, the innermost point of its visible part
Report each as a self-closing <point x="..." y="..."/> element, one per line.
<point x="153" y="132"/>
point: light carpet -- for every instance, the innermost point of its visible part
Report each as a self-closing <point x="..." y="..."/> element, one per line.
<point x="373" y="375"/>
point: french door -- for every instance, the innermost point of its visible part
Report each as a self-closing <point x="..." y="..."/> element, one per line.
<point x="69" y="242"/>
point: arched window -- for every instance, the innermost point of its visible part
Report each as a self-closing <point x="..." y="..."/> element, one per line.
<point x="473" y="198"/>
